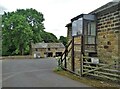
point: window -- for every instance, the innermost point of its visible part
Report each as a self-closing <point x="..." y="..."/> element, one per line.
<point x="91" y="40"/>
<point x="36" y="49"/>
<point x="74" y="28"/>
<point x="80" y="25"/>
<point x="91" y="28"/>
<point x="77" y="27"/>
<point x="90" y="32"/>
<point x="48" y="49"/>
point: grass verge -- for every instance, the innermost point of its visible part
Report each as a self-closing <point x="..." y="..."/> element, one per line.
<point x="88" y="81"/>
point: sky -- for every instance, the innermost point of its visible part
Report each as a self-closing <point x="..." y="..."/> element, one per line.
<point x="57" y="13"/>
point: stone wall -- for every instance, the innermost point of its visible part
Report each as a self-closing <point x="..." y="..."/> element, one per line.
<point x="43" y="51"/>
<point x="69" y="31"/>
<point x="108" y="32"/>
<point x="108" y="27"/>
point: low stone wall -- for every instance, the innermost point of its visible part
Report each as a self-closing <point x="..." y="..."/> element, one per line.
<point x="17" y="57"/>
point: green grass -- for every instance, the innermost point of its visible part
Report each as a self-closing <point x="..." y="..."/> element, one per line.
<point x="88" y="81"/>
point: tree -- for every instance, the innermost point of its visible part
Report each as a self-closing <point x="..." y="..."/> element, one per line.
<point x="35" y="19"/>
<point x="19" y="28"/>
<point x="16" y="34"/>
<point x="64" y="40"/>
<point x="48" y="37"/>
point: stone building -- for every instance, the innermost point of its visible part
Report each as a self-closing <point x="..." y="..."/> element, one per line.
<point x="103" y="32"/>
<point x="82" y="36"/>
<point x="69" y="31"/>
<point x="108" y="30"/>
<point x="47" y="49"/>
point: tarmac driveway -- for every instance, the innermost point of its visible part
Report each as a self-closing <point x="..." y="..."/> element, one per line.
<point x="34" y="73"/>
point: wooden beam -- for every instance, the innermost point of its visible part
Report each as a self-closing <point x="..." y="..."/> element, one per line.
<point x="70" y="49"/>
<point x="103" y="76"/>
<point x="89" y="66"/>
<point x="81" y="66"/>
<point x="89" y="57"/>
<point x="111" y="70"/>
<point x="97" y="68"/>
<point x="72" y="62"/>
<point x="108" y="74"/>
<point x="95" y="64"/>
<point x="65" y="65"/>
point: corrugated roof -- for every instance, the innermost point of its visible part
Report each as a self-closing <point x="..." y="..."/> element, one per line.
<point x="48" y="45"/>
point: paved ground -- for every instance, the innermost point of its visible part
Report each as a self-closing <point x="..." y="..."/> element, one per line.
<point x="34" y="73"/>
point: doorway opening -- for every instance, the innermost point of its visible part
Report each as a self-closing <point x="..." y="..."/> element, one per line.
<point x="49" y="54"/>
<point x="58" y="54"/>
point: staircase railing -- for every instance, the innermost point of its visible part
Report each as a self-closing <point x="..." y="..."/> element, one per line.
<point x="64" y="55"/>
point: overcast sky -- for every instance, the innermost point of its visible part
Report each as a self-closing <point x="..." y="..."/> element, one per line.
<point x="57" y="13"/>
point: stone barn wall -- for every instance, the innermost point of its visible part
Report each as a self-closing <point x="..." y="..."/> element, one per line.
<point x="108" y="27"/>
<point x="108" y="32"/>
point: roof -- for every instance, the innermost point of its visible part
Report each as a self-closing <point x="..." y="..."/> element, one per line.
<point x="69" y="25"/>
<point x="105" y="7"/>
<point x="48" y="45"/>
<point x="77" y="17"/>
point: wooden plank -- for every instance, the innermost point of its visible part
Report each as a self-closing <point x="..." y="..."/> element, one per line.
<point x="69" y="44"/>
<point x="89" y="66"/>
<point x="111" y="70"/>
<point x="97" y="68"/>
<point x="70" y="49"/>
<point x="90" y="50"/>
<point x="81" y="65"/>
<point x="73" y="62"/>
<point x="89" y="57"/>
<point x="101" y="76"/>
<point x="96" y="64"/>
<point x="65" y="65"/>
<point x="85" y="69"/>
<point x="109" y="74"/>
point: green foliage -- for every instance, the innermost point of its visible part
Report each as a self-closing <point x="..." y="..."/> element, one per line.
<point x="22" y="27"/>
<point x="64" y="40"/>
<point x="58" y="69"/>
<point x="19" y="29"/>
<point x="35" y="19"/>
<point x="48" y="37"/>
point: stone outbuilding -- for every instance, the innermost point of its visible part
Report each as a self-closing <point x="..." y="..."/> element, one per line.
<point x="47" y="49"/>
<point x="102" y="34"/>
<point x="108" y="30"/>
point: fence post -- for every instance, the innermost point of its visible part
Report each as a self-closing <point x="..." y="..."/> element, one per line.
<point x="72" y="62"/>
<point x="81" y="65"/>
<point x="60" y="61"/>
<point x="65" y="58"/>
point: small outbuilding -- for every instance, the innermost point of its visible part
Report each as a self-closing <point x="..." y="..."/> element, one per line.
<point x="47" y="49"/>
